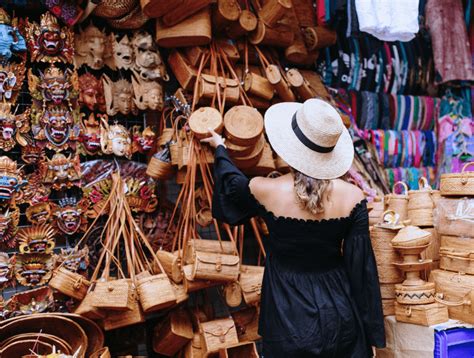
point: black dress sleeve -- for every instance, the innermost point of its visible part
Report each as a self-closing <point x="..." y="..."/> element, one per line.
<point x="362" y="271"/>
<point x="232" y="201"/>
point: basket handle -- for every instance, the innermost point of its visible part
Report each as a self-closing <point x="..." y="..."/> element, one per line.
<point x="465" y="166"/>
<point x="439" y="299"/>
<point x="423" y="183"/>
<point x="404" y="186"/>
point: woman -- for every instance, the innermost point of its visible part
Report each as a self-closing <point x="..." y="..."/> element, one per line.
<point x="320" y="295"/>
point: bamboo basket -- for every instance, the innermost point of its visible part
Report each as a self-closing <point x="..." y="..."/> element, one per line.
<point x="207" y="84"/>
<point x="183" y="11"/>
<point x="258" y="86"/>
<point x="415" y="295"/>
<point x="387" y="291"/>
<point x="180" y="293"/>
<point x="226" y="247"/>
<point x="184" y="72"/>
<point x="172" y="334"/>
<point x="245" y="349"/>
<point x="455" y="217"/>
<point x="318" y="37"/>
<point x="88" y="310"/>
<point x="381" y="238"/>
<point x="274" y="10"/>
<point x="398" y="202"/>
<point x="225" y="13"/>
<point x="194" y="31"/>
<point x="243" y="125"/>
<point x="458" y="184"/>
<point x="172" y="264"/>
<point x="388" y="273"/>
<point x="383" y="256"/>
<point x="233" y="294"/>
<point x="376" y="210"/>
<point x="298" y="82"/>
<point x="215" y="267"/>
<point x="155" y="292"/>
<point x="280" y="36"/>
<point x="305" y="13"/>
<point x="432" y="251"/>
<point x="191" y="285"/>
<point x="265" y="165"/>
<point x="194" y="348"/>
<point x="279" y="83"/>
<point x="238" y="151"/>
<point x="246" y="322"/>
<point x="424" y="315"/>
<point x="422" y="198"/>
<point x="246" y="23"/>
<point x="69" y="283"/>
<point x="421" y="217"/>
<point x="218" y="334"/>
<point x="455" y="291"/>
<point x="157" y="8"/>
<point x="388" y="307"/>
<point x="203" y="119"/>
<point x="159" y="169"/>
<point x="251" y="278"/>
<point x="114" y="295"/>
<point x="118" y="319"/>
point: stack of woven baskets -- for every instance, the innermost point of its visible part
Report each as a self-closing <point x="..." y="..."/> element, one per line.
<point x="454" y="220"/>
<point x="381" y="235"/>
<point x="43" y="333"/>
<point x="421" y="204"/>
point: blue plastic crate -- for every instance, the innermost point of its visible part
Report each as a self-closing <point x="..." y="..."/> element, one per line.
<point x="454" y="343"/>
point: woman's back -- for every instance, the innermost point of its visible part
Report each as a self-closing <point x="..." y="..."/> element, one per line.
<point x="277" y="195"/>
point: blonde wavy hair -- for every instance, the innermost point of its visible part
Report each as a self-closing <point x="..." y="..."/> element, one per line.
<point x="310" y="191"/>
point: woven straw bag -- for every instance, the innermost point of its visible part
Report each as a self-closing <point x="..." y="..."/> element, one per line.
<point x="88" y="310"/>
<point x="251" y="278"/>
<point x="458" y="184"/>
<point x="69" y="283"/>
<point x="156" y="292"/>
<point x="233" y="294"/>
<point x="455" y="217"/>
<point x="218" y="334"/>
<point x="398" y="202"/>
<point x="376" y="209"/>
<point x="387" y="290"/>
<point x="244" y="349"/>
<point x="456" y="291"/>
<point x="422" y="198"/>
<point x="243" y="125"/>
<point x="173" y="333"/>
<point x="114" y="294"/>
<point x="381" y="238"/>
<point x="215" y="266"/>
<point x="119" y="319"/>
<point x="246" y="322"/>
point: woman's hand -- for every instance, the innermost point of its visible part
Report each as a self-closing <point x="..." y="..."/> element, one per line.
<point x="214" y="140"/>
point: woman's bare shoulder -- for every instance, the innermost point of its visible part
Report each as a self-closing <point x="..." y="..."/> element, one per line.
<point x="347" y="193"/>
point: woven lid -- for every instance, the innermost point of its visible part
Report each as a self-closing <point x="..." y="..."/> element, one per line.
<point x="231" y="9"/>
<point x="273" y="74"/>
<point x="243" y="125"/>
<point x="411" y="236"/>
<point x="203" y="119"/>
<point x="113" y="9"/>
<point x="295" y="78"/>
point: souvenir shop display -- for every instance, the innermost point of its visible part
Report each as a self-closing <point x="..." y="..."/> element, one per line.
<point x="106" y="190"/>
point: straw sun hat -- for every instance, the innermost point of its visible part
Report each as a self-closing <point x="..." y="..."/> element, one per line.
<point x="310" y="137"/>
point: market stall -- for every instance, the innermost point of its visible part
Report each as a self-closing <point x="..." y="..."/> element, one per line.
<point x="106" y="225"/>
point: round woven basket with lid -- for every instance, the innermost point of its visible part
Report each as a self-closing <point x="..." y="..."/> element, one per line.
<point x="203" y="119"/>
<point x="243" y="125"/>
<point x="411" y="236"/>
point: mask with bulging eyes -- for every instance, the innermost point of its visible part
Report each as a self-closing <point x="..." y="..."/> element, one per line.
<point x="11" y="80"/>
<point x="148" y="62"/>
<point x="33" y="269"/>
<point x="123" y="53"/>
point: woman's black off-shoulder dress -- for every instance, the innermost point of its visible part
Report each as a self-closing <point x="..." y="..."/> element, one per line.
<point x="320" y="295"/>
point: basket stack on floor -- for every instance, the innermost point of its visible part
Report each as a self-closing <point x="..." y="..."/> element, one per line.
<point x="70" y="334"/>
<point x="454" y="220"/>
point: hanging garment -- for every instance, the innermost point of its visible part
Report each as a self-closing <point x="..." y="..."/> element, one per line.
<point x="388" y="20"/>
<point x="451" y="50"/>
